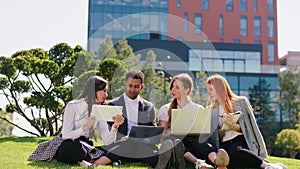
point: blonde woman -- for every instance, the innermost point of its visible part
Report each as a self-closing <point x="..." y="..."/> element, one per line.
<point x="181" y="87"/>
<point x="242" y="140"/>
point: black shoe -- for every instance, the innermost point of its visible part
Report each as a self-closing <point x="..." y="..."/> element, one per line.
<point x="178" y="153"/>
<point x="165" y="152"/>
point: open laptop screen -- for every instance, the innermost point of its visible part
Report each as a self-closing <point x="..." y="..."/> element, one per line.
<point x="146" y="134"/>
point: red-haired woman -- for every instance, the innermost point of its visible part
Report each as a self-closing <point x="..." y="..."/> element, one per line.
<point x="242" y="140"/>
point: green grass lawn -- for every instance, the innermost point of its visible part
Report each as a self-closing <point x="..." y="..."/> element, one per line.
<point x="14" y="152"/>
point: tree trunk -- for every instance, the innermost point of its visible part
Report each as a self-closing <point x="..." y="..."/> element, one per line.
<point x="293" y="154"/>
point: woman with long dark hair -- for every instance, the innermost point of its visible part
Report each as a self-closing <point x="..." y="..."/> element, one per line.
<point x="78" y="126"/>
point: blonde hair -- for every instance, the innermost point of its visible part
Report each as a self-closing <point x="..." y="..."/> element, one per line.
<point x="187" y="83"/>
<point x="223" y="91"/>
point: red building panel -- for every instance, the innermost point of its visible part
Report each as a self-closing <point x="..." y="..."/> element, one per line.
<point x="231" y="23"/>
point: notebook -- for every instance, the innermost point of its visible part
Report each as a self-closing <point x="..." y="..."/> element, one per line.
<point x="190" y="121"/>
<point x="146" y="134"/>
<point x="234" y="119"/>
<point x="106" y="112"/>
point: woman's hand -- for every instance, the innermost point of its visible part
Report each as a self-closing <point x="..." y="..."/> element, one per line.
<point x="89" y="124"/>
<point x="227" y="119"/>
<point x="118" y="120"/>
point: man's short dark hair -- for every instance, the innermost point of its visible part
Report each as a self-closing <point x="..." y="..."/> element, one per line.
<point x="135" y="74"/>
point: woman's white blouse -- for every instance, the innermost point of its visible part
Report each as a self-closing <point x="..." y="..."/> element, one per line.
<point x="163" y="112"/>
<point x="76" y="116"/>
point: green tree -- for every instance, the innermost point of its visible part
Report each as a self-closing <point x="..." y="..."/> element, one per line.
<point x="126" y="56"/>
<point x="106" y="49"/>
<point x="289" y="98"/>
<point x="114" y="71"/>
<point x="259" y="96"/>
<point x="79" y="82"/>
<point x="153" y="81"/>
<point x="37" y="84"/>
<point x="289" y="141"/>
<point x="198" y="95"/>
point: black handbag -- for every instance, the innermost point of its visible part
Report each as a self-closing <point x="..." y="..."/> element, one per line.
<point x="92" y="151"/>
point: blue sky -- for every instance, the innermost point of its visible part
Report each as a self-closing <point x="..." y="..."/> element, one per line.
<point x="44" y="23"/>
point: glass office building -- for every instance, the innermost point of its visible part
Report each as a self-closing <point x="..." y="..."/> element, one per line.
<point x="228" y="36"/>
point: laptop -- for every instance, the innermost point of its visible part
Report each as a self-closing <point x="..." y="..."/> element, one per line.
<point x="146" y="134"/>
<point x="106" y="112"/>
<point x="191" y="121"/>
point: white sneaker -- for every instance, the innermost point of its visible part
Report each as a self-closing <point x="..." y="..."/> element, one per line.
<point x="85" y="164"/>
<point x="198" y="163"/>
<point x="276" y="166"/>
<point x="201" y="163"/>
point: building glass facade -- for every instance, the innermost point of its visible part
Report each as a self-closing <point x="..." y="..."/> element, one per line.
<point x="241" y="49"/>
<point x="135" y="19"/>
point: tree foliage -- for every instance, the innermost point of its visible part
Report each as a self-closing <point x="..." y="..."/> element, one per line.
<point x="115" y="61"/>
<point x="153" y="81"/>
<point x="126" y="56"/>
<point x="289" y="140"/>
<point x="259" y="96"/>
<point x="37" y="84"/>
<point x="106" y="49"/>
<point x="289" y="87"/>
<point x="114" y="71"/>
<point x="5" y="126"/>
<point x="200" y="85"/>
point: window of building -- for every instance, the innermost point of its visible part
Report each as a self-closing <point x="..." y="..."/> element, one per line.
<point x="223" y="60"/>
<point x="198" y="23"/>
<point x="270" y="6"/>
<point x="273" y="81"/>
<point x="221" y="25"/>
<point x="204" y="4"/>
<point x="229" y="5"/>
<point x="178" y="3"/>
<point x="239" y="66"/>
<point x="243" y="5"/>
<point x="207" y="64"/>
<point x="270" y="27"/>
<point x="228" y="65"/>
<point x="271" y="51"/>
<point x="247" y="81"/>
<point x="257" y="42"/>
<point x="237" y="41"/>
<point x="223" y="54"/>
<point x="253" y="59"/>
<point x="217" y="65"/>
<point x="254" y="5"/>
<point x="239" y="55"/>
<point x="257" y="31"/>
<point x="195" y="60"/>
<point x="233" y="82"/>
<point x="186" y="22"/>
<point x="243" y="25"/>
